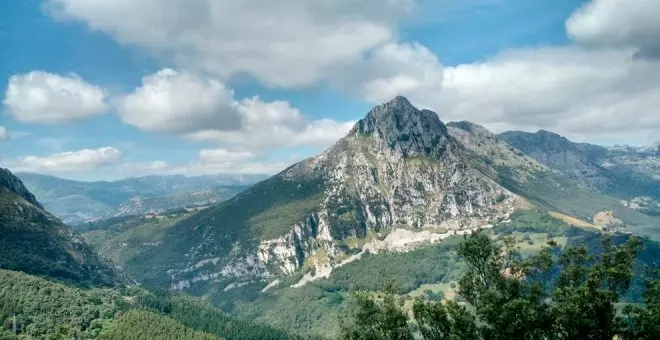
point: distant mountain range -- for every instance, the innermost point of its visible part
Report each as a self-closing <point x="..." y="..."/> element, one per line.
<point x="76" y="202"/>
<point x="622" y="171"/>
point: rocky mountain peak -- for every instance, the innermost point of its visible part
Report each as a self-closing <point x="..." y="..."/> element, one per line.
<point x="399" y="126"/>
<point x="11" y="183"/>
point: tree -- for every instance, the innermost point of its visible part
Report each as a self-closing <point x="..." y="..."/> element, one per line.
<point x="644" y="323"/>
<point x="547" y="296"/>
<point x="438" y="321"/>
<point x="377" y="318"/>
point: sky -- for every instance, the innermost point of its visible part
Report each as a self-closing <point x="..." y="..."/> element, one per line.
<point x="108" y="89"/>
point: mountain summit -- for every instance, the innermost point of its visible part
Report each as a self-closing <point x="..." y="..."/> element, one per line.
<point x="396" y="180"/>
<point x="404" y="128"/>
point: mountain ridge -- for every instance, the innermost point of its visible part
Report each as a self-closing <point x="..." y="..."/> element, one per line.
<point x="396" y="174"/>
<point x="75" y="201"/>
<point x="623" y="172"/>
<point x="36" y="242"/>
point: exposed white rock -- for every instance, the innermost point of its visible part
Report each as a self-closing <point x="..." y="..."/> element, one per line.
<point x="398" y="170"/>
<point x="321" y="272"/>
<point x="234" y="285"/>
<point x="271" y="285"/>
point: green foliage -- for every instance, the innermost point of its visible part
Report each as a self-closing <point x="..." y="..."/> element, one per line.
<point x="201" y="316"/>
<point x="510" y="297"/>
<point x="140" y="324"/>
<point x="644" y="323"/>
<point x="557" y="193"/>
<point x="46" y="310"/>
<point x="41" y="306"/>
<point x="377" y="318"/>
<point x="444" y="321"/>
<point x="533" y="221"/>
<point x="404" y="272"/>
<point x="308" y="310"/>
<point x="132" y="243"/>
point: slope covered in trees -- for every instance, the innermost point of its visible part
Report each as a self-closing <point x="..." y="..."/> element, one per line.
<point x="49" y="310"/>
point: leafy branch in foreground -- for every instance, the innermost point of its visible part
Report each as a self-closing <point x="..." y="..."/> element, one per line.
<point x="546" y="296"/>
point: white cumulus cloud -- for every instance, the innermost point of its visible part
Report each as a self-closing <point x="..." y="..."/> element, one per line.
<point x="204" y="109"/>
<point x="42" y="97"/>
<point x="625" y="23"/>
<point x="273" y="125"/>
<point x="407" y="69"/>
<point x="69" y="162"/>
<point x="603" y="87"/>
<point x="286" y="43"/>
<point x="3" y="133"/>
<point x="224" y="156"/>
<point x="585" y="94"/>
<point x="179" y="102"/>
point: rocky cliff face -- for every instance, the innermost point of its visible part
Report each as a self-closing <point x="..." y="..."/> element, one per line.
<point x="35" y="242"/>
<point x="396" y="180"/>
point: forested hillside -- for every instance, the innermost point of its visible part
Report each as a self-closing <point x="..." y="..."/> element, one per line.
<point x="44" y="309"/>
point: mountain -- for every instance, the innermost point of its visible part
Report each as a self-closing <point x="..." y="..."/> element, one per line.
<point x="35" y="242"/>
<point x="75" y="201"/>
<point x="386" y="203"/>
<point x="624" y="172"/>
<point x="400" y="178"/>
<point x="396" y="180"/>
<point x="141" y="205"/>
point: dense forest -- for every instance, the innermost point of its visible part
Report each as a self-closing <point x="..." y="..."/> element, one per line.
<point x="49" y="310"/>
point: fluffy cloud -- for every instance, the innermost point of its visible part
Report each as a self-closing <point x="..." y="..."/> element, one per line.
<point x="597" y="89"/>
<point x="179" y="102"/>
<point x="625" y="23"/>
<point x="585" y="94"/>
<point x="278" y="124"/>
<point x="224" y="156"/>
<point x="41" y="97"/>
<point x="287" y="43"/>
<point x="209" y="162"/>
<point x="204" y="109"/>
<point x="408" y="69"/>
<point x="3" y="133"/>
<point x="69" y="162"/>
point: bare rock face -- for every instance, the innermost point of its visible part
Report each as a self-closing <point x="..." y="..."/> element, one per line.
<point x="397" y="169"/>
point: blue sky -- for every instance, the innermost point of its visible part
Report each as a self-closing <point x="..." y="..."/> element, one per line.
<point x="513" y="64"/>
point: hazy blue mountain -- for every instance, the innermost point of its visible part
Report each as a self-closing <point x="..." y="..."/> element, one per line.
<point x="623" y="171"/>
<point x="76" y="201"/>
